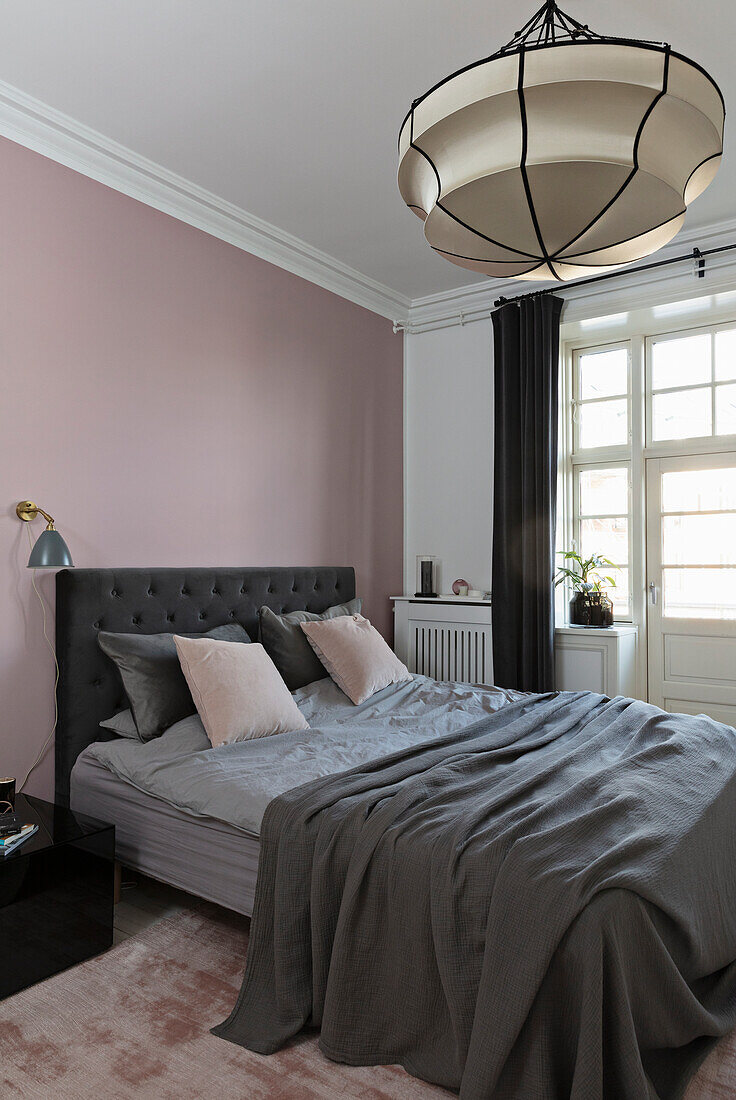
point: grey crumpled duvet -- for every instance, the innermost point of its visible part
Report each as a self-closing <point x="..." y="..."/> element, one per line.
<point x="541" y="905"/>
<point x="235" y="783"/>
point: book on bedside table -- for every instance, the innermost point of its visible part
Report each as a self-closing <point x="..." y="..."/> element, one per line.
<point x="10" y="823"/>
<point x="10" y="843"/>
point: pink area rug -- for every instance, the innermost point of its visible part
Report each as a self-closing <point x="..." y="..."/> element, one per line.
<point x="135" y="1023"/>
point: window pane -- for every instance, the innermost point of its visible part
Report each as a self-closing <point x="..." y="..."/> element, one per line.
<point x="603" y="424"/>
<point x="726" y="354"/>
<point x="604" y="492"/>
<point x="604" y="373"/>
<point x="620" y="594"/>
<point x="699" y="490"/>
<point x="699" y="593"/>
<point x="699" y="540"/>
<point x="681" y="415"/>
<point x="607" y="537"/>
<point x="725" y="410"/>
<point x="684" y="361"/>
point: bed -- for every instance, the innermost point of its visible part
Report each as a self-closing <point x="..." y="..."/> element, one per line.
<point x="529" y="896"/>
<point x="182" y="844"/>
<point x="151" y="836"/>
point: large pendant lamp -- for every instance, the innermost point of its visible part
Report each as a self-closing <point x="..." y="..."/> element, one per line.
<point x="564" y="154"/>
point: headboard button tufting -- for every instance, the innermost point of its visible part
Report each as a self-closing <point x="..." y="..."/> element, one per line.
<point x="90" y="600"/>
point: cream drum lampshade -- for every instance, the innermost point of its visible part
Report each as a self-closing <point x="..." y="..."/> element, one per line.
<point x="563" y="155"/>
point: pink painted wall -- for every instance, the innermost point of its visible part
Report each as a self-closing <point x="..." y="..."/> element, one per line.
<point x="172" y="400"/>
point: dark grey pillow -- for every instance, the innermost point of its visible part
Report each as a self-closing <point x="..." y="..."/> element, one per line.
<point x="287" y="646"/>
<point x="123" y="724"/>
<point x="152" y="676"/>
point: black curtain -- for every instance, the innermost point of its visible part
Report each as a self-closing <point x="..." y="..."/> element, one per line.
<point x="526" y="365"/>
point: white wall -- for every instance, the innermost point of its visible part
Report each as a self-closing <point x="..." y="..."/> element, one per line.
<point x="448" y="452"/>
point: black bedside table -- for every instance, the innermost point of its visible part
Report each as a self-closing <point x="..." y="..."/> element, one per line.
<point x="56" y="894"/>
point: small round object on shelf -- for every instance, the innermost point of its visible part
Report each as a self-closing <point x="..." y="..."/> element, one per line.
<point x="458" y="584"/>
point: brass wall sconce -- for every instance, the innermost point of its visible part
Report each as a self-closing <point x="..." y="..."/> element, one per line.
<point x="50" y="551"/>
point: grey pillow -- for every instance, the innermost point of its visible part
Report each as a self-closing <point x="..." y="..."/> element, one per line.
<point x="152" y="676"/>
<point x="287" y="646"/>
<point x="123" y="724"/>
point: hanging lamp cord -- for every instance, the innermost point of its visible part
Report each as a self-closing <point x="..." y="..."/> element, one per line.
<point x="49" y="643"/>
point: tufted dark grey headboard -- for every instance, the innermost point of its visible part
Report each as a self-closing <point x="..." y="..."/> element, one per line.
<point x="152" y="601"/>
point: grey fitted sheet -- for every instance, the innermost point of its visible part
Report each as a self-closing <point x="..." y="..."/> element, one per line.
<point x="207" y="858"/>
<point x="235" y="783"/>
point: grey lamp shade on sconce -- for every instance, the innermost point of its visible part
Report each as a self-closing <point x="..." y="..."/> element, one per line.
<point x="50" y="552"/>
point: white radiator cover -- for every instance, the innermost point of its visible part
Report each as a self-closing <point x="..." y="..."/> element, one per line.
<point x="445" y="639"/>
<point x="591" y="659"/>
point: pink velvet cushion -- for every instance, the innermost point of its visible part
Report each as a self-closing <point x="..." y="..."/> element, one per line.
<point x="355" y="655"/>
<point x="237" y="690"/>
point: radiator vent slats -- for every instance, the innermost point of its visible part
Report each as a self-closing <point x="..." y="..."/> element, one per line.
<point x="451" y="652"/>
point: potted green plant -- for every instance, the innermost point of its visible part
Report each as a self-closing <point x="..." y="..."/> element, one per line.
<point x="590" y="604"/>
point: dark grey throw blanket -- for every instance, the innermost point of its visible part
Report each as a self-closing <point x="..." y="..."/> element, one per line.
<point x="541" y="906"/>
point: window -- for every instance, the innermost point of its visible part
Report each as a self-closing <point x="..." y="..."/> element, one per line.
<point x="692" y="385"/>
<point x="603" y="506"/>
<point x="652" y="394"/>
<point x="602" y="398"/>
<point x="699" y="543"/>
<point x="601" y="462"/>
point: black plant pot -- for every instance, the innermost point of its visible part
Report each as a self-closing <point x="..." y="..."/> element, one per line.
<point x="591" y="609"/>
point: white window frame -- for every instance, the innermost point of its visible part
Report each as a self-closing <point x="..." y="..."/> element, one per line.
<point x="600" y="457"/>
<point x="635" y="327"/>
<point x="713" y="385"/>
<point x="578" y="402"/>
<point x="579" y="464"/>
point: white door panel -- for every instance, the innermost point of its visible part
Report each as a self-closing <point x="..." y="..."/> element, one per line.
<point x="691" y="563"/>
<point x="721" y="713"/>
<point x="695" y="659"/>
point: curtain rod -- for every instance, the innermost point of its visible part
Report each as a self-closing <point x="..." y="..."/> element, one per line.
<point x="697" y="255"/>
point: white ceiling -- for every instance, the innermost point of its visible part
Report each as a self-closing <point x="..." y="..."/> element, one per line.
<point x="291" y="110"/>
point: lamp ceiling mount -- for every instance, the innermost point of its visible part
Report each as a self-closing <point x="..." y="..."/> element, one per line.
<point x="551" y="26"/>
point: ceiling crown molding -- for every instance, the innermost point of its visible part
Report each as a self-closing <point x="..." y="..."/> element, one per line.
<point x="674" y="283"/>
<point x="37" y="126"/>
<point x="42" y="128"/>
